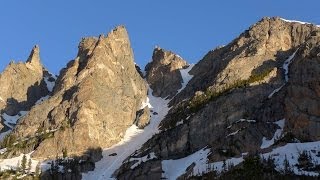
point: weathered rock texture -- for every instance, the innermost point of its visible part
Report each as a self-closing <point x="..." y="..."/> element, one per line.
<point x="234" y="82"/>
<point x="163" y="73"/>
<point x="94" y="101"/>
<point x="302" y="102"/>
<point x="22" y="84"/>
<point x="143" y="117"/>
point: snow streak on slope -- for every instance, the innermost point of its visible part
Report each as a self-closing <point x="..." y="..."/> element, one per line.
<point x="43" y="99"/>
<point x="186" y="77"/>
<point x="285" y="66"/>
<point x="50" y="83"/>
<point x="11" y="121"/>
<point x="267" y="143"/>
<point x="295" y="21"/>
<point x="275" y="91"/>
<point x="142" y="159"/>
<point x="133" y="140"/>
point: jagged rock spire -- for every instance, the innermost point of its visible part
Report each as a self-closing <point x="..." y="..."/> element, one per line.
<point x="34" y="59"/>
<point x="34" y="56"/>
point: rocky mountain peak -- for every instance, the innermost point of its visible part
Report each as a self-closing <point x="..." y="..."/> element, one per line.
<point x="118" y="32"/>
<point x="34" y="57"/>
<point x="163" y="72"/>
<point x="33" y="61"/>
<point x="95" y="100"/>
<point x="22" y="84"/>
<point x="161" y="56"/>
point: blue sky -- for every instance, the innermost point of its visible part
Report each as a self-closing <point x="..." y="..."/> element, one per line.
<point x="189" y="28"/>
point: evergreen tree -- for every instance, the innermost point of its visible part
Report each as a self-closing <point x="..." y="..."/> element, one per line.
<point x="24" y="163"/>
<point x="37" y="172"/>
<point x="224" y="166"/>
<point x="18" y="166"/>
<point x="287" y="168"/>
<point x="270" y="163"/>
<point x="29" y="165"/>
<point x="52" y="167"/>
<point x="252" y="166"/>
<point x="64" y="152"/>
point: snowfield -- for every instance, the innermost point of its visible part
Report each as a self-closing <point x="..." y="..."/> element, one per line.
<point x="267" y="143"/>
<point x="175" y="168"/>
<point x="291" y="151"/>
<point x="11" y="121"/>
<point x="133" y="140"/>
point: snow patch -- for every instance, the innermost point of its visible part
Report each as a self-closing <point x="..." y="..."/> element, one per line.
<point x="7" y="164"/>
<point x="146" y="103"/>
<point x="175" y="168"/>
<point x="234" y="133"/>
<point x="295" y="21"/>
<point x="286" y="65"/>
<point x="178" y="56"/>
<point x="133" y="140"/>
<point x="10" y="121"/>
<point x="186" y="77"/>
<point x="2" y="151"/>
<point x="218" y="166"/>
<point x="267" y="143"/>
<point x="275" y="91"/>
<point x="42" y="99"/>
<point x="142" y="159"/>
<point x="242" y="120"/>
<point x="50" y="85"/>
<point x="179" y="123"/>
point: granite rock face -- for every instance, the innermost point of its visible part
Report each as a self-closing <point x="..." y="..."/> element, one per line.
<point x="163" y="73"/>
<point x="22" y="84"/>
<point x="94" y="101"/>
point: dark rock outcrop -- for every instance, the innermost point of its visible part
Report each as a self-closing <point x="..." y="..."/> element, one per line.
<point x="302" y="101"/>
<point x="163" y="73"/>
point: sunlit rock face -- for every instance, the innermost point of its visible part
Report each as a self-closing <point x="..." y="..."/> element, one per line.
<point x="95" y="99"/>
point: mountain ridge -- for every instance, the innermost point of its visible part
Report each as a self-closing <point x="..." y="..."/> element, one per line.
<point x="253" y="96"/>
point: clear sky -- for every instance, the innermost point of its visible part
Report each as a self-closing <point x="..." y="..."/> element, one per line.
<point x="189" y="28"/>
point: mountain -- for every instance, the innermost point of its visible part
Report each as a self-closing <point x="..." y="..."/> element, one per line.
<point x="247" y="110"/>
